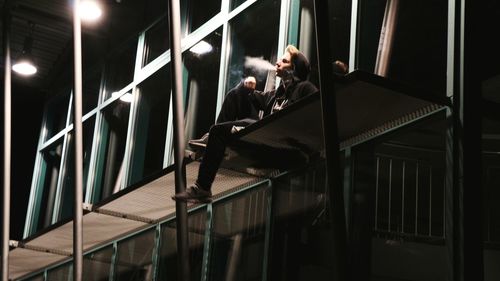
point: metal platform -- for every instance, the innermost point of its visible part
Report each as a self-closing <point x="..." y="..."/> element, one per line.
<point x="126" y="212"/>
<point x="368" y="106"/>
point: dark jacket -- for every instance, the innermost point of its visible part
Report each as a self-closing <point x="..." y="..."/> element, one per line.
<point x="237" y="105"/>
<point x="269" y="101"/>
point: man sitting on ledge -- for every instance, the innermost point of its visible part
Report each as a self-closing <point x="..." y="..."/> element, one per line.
<point x="293" y="68"/>
<point x="237" y="105"/>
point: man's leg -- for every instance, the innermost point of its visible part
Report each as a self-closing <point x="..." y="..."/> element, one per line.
<point x="219" y="136"/>
<point x="199" y="192"/>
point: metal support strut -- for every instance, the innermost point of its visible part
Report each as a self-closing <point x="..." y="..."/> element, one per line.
<point x="179" y="142"/>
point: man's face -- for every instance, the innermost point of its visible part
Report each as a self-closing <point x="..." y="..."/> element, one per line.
<point x="284" y="64"/>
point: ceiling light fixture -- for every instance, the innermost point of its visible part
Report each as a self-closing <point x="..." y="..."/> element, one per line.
<point x="90" y="10"/>
<point x="24" y="64"/>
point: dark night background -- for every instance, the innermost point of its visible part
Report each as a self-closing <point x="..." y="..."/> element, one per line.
<point x="27" y="112"/>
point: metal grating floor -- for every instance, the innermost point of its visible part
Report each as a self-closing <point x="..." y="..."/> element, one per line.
<point x="131" y="212"/>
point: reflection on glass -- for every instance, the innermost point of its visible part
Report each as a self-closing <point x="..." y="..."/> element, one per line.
<point x="238" y="236"/>
<point x="97" y="265"/>
<point x="56" y="114"/>
<point x="198" y="12"/>
<point x="417" y="54"/>
<point x="156" y="40"/>
<point x="68" y="177"/>
<point x="254" y="35"/>
<point x="151" y="125"/>
<point x="63" y="272"/>
<point x="120" y="68"/>
<point x="134" y="257"/>
<point x="491" y="195"/>
<point x="305" y="34"/>
<point x="202" y="65"/>
<point x="111" y="149"/>
<point x="51" y="163"/>
<point x="168" y="252"/>
<point x="398" y="205"/>
<point x="301" y="238"/>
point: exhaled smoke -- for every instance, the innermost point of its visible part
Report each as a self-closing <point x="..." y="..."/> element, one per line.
<point x="258" y="64"/>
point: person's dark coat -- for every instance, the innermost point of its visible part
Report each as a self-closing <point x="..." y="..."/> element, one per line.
<point x="238" y="105"/>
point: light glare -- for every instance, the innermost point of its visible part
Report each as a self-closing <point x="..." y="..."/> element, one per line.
<point x="201" y="48"/>
<point x="24" y="68"/>
<point x="90" y="10"/>
<point x="127" y="97"/>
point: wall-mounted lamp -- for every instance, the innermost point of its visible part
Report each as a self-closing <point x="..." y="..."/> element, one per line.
<point x="24" y="64"/>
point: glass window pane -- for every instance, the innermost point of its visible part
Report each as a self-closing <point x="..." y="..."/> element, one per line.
<point x="113" y="134"/>
<point x="157" y="40"/>
<point x="168" y="253"/>
<point x="254" y="34"/>
<point x="68" y="178"/>
<point x="63" y="272"/>
<point x="491" y="194"/>
<point x="236" y="3"/>
<point x="49" y="175"/>
<point x="488" y="75"/>
<point x="154" y="10"/>
<point x="302" y="32"/>
<point x="202" y="71"/>
<point x="56" y="115"/>
<point x="90" y="90"/>
<point x="418" y="51"/>
<point x="97" y="265"/>
<point x="151" y="125"/>
<point x="199" y="12"/>
<point x="120" y="68"/>
<point x="239" y="236"/>
<point x="398" y="205"/>
<point x="134" y="260"/>
<point x="301" y="235"/>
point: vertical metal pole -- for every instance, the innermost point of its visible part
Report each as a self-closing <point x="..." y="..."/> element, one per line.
<point x="179" y="142"/>
<point x="430" y="201"/>
<point x="6" y="142"/>
<point x="376" y="192"/>
<point x="403" y="199"/>
<point x="348" y="185"/>
<point x="416" y="201"/>
<point x="386" y="38"/>
<point x="331" y="141"/>
<point x="206" y="244"/>
<point x="390" y="196"/>
<point x="77" y="107"/>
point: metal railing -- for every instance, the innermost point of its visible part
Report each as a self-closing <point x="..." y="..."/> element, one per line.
<point x="409" y="197"/>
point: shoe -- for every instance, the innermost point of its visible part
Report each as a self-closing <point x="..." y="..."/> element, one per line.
<point x="194" y="194"/>
<point x="199" y="143"/>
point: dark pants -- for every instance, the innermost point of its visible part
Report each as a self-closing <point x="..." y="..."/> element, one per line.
<point x="219" y="137"/>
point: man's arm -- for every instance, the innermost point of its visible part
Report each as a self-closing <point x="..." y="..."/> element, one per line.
<point x="260" y="99"/>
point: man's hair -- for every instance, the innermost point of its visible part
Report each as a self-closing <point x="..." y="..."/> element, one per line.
<point x="301" y="66"/>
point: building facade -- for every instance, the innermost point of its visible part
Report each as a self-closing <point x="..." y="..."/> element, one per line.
<point x="416" y="205"/>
